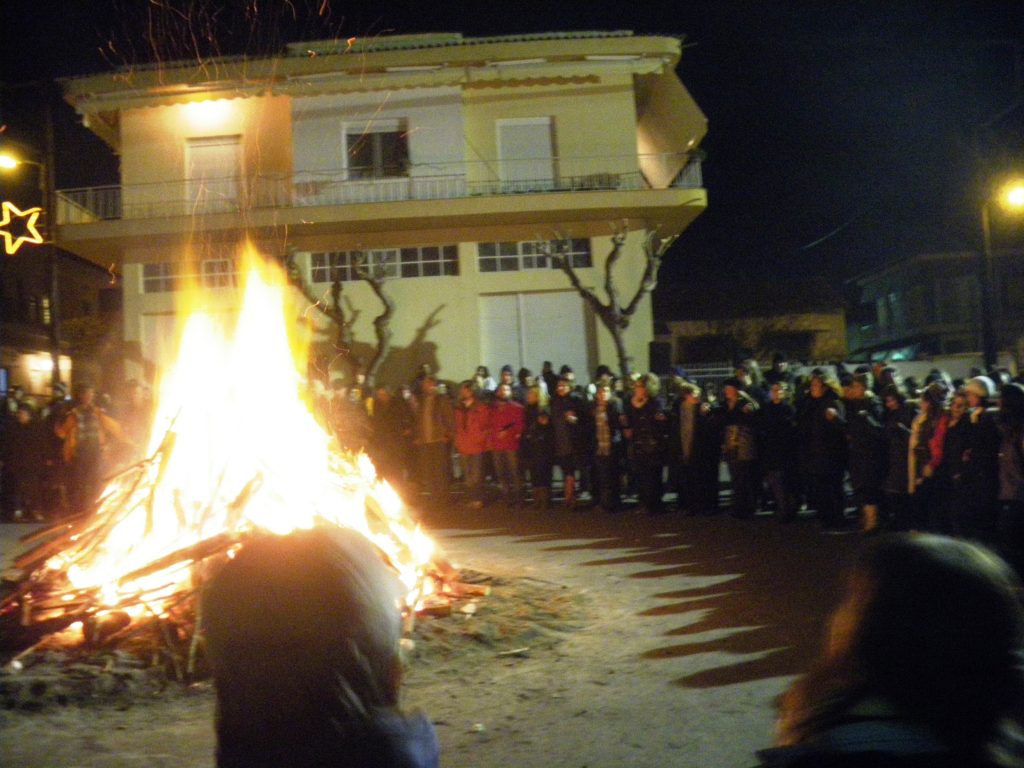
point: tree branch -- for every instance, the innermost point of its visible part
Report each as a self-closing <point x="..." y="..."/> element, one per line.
<point x="618" y="238"/>
<point x="654" y="249"/>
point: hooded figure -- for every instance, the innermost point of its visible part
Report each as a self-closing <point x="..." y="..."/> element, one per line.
<point x="302" y="632"/>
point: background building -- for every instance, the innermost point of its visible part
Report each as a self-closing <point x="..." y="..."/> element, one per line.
<point x="449" y="163"/>
<point x="930" y="305"/>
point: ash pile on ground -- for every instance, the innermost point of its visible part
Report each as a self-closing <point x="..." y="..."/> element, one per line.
<point x="520" y="617"/>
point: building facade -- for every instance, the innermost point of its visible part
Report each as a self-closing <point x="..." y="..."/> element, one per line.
<point x="449" y="163"/>
<point x="930" y="305"/>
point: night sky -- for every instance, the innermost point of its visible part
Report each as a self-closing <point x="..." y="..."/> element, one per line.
<point x="843" y="135"/>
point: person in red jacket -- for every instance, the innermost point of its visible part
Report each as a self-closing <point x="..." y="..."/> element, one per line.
<point x="507" y="420"/>
<point x="472" y="435"/>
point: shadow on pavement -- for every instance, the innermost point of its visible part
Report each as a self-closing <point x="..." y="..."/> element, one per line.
<point x="749" y="597"/>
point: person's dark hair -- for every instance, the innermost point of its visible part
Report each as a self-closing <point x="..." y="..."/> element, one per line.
<point x="933" y="627"/>
<point x="302" y="632"/>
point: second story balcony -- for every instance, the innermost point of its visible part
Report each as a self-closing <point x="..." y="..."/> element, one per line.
<point x="425" y="181"/>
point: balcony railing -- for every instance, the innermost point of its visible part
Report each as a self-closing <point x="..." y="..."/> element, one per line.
<point x="425" y="181"/>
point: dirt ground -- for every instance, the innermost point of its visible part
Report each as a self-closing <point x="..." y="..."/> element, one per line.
<point x="607" y="640"/>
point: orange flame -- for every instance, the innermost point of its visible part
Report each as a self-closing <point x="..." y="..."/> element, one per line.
<point x="237" y="450"/>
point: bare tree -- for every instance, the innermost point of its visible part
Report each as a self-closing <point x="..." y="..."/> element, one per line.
<point x="332" y="309"/>
<point x="375" y="275"/>
<point x="613" y="314"/>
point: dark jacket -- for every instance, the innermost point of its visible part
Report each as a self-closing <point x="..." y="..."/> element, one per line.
<point x="897" y="438"/>
<point x="648" y="428"/>
<point x="869" y="743"/>
<point x="866" y="437"/>
<point x="567" y="415"/>
<point x="386" y="740"/>
<point x="822" y="440"/>
<point x="777" y="439"/>
<point x="537" y="444"/>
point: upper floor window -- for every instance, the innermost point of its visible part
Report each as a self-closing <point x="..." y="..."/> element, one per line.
<point x="521" y="256"/>
<point x="377" y="150"/>
<point x="422" y="261"/>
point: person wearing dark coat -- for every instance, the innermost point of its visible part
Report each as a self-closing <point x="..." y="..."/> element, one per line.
<point x="303" y="636"/>
<point x="899" y="415"/>
<point x="953" y="504"/>
<point x="646" y="431"/>
<point x="866" y="461"/>
<point x="22" y="453"/>
<point x="778" y="443"/>
<point x="1011" y="474"/>
<point x="737" y="417"/>
<point x="921" y="667"/>
<point x="538" y="445"/>
<point x="695" y="446"/>
<point x="391" y="424"/>
<point x="927" y="440"/>
<point x="821" y="432"/>
<point x="567" y="409"/>
<point x="606" y="447"/>
<point x="981" y="476"/>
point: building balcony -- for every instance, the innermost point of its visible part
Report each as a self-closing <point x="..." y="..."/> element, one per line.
<point x="527" y="191"/>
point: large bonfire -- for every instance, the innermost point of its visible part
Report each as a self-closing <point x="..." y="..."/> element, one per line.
<point x="235" y="450"/>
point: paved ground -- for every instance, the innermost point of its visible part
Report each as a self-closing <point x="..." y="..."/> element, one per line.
<point x="691" y="626"/>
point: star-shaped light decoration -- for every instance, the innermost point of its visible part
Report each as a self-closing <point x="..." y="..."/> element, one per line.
<point x="31" y="216"/>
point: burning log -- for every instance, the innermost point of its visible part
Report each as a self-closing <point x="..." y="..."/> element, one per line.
<point x="224" y="467"/>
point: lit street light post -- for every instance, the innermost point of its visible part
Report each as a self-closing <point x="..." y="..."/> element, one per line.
<point x="1011" y="197"/>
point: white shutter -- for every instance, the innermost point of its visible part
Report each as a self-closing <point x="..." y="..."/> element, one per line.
<point x="214" y="170"/>
<point x="524" y="330"/>
<point x="526" y="154"/>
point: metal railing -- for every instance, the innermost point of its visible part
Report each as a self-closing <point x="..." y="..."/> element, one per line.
<point x="422" y="181"/>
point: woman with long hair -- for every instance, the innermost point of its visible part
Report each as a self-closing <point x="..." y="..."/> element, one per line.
<point x="922" y="664"/>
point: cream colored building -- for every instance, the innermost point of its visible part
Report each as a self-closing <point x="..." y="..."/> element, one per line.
<point x="445" y="158"/>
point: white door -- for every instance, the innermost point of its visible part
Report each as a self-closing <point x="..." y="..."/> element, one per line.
<point x="213" y="168"/>
<point x="526" y="154"/>
<point x="525" y="329"/>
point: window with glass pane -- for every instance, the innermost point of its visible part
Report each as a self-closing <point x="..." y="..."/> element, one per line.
<point x="160" y="277"/>
<point x="219" y="273"/>
<point x="515" y="256"/>
<point x="426" y="261"/>
<point x="377" y="151"/>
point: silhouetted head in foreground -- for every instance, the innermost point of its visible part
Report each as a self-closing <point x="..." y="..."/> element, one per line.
<point x="922" y="663"/>
<point x="303" y="632"/>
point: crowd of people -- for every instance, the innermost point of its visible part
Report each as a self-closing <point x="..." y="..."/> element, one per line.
<point x="854" y="447"/>
<point x="921" y="665"/>
<point x="54" y="458"/>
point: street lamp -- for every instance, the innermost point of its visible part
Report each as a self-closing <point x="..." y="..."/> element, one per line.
<point x="10" y="162"/>
<point x="1010" y="198"/>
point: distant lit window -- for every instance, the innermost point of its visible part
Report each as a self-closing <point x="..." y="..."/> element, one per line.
<point x="422" y="261"/>
<point x="377" y="150"/>
<point x="527" y="255"/>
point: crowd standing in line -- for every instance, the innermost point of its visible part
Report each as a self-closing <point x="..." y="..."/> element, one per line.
<point x="853" y="448"/>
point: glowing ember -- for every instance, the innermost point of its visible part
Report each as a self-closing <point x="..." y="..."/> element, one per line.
<point x="235" y="450"/>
